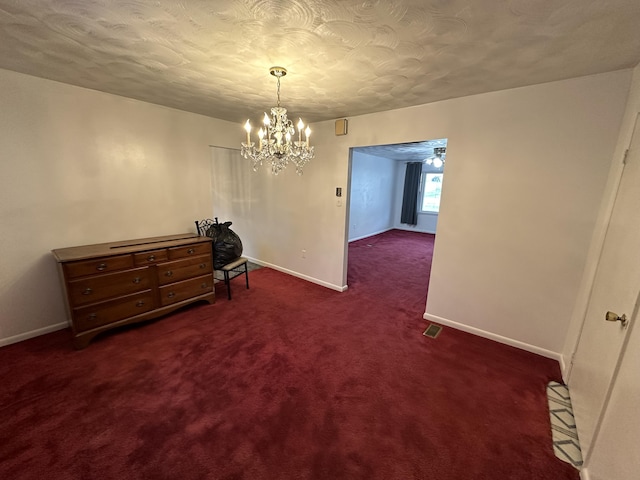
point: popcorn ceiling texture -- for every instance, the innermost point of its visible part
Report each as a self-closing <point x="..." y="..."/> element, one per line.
<point x="344" y="57"/>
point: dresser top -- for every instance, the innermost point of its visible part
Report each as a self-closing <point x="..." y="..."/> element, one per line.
<point x="126" y="246"/>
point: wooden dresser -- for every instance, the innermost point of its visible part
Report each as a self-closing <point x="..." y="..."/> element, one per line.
<point x="112" y="284"/>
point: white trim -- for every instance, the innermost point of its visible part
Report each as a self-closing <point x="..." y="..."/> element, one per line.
<point x="299" y="275"/>
<point x="32" y="334"/>
<point x="563" y="369"/>
<point x="584" y="474"/>
<point x="493" y="336"/>
<point x="407" y="229"/>
<point x="370" y="234"/>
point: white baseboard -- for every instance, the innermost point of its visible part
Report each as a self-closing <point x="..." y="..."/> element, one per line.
<point x="299" y="275"/>
<point x="32" y="333"/>
<point x="370" y="234"/>
<point x="493" y="336"/>
<point x="417" y="230"/>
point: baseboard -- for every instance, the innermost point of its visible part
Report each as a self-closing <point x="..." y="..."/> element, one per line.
<point x="32" y="334"/>
<point x="405" y="229"/>
<point x="493" y="336"/>
<point x="370" y="234"/>
<point x="299" y="275"/>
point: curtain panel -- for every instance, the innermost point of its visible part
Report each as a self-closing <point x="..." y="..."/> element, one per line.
<point x="409" y="213"/>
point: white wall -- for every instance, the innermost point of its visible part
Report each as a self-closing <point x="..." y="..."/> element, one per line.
<point x="277" y="217"/>
<point x="78" y="166"/>
<point x="526" y="170"/>
<point x="520" y="205"/>
<point x="525" y="173"/>
<point x="615" y="449"/>
<point x="371" y="195"/>
<point x="427" y="222"/>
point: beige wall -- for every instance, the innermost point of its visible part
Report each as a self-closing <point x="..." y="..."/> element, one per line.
<point x="79" y="166"/>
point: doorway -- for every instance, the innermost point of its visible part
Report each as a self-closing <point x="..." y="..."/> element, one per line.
<point x="376" y="186"/>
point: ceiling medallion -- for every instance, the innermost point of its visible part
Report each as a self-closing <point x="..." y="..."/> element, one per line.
<point x="438" y="158"/>
<point x="277" y="146"/>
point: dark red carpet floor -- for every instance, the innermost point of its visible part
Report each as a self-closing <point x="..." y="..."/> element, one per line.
<point x="289" y="380"/>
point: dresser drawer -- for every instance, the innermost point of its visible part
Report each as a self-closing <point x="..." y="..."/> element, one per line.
<point x="150" y="257"/>
<point x="182" y="269"/>
<point x="98" y="265"/>
<point x="101" y="287"/>
<point x="190" y="250"/>
<point x="179" y="291"/>
<point x="86" y="318"/>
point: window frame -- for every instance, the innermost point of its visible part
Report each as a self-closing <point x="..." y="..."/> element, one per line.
<point x="421" y="191"/>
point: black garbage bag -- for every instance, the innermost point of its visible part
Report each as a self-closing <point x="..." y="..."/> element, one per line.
<point x="227" y="245"/>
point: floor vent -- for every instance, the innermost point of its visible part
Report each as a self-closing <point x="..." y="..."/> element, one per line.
<point x="432" y="331"/>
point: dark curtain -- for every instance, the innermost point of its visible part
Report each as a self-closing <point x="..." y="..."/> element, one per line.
<point x="409" y="213"/>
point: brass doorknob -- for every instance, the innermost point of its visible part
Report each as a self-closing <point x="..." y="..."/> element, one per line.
<point x="613" y="317"/>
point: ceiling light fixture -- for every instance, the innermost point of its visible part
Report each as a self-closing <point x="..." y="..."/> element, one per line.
<point x="438" y="158"/>
<point x="276" y="145"/>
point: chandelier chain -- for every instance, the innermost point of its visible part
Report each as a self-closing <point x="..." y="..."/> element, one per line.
<point x="278" y="91"/>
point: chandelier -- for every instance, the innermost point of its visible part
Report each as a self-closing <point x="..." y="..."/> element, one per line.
<point x="277" y="145"/>
<point x="438" y="158"/>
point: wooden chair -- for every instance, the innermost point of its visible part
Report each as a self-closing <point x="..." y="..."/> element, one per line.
<point x="230" y="270"/>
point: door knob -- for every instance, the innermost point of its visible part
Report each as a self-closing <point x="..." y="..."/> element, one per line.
<point x="613" y="317"/>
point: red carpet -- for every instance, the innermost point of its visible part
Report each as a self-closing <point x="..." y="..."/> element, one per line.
<point x="289" y="380"/>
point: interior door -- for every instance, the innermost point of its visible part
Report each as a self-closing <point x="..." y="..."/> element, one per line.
<point x="616" y="288"/>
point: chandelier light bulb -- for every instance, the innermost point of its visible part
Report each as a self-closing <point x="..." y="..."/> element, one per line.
<point x="437" y="162"/>
<point x="300" y="128"/>
<point x="247" y="127"/>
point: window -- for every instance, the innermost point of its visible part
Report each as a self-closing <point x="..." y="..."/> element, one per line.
<point x="430" y="192"/>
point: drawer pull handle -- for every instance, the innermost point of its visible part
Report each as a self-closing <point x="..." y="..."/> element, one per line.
<point x="171" y="294"/>
<point x="204" y="285"/>
<point x="87" y="291"/>
<point x="203" y="265"/>
<point x="139" y="303"/>
<point x="137" y="280"/>
<point x="101" y="267"/>
<point x="169" y="273"/>
<point x="93" y="316"/>
<point x="151" y="258"/>
<point x="191" y="251"/>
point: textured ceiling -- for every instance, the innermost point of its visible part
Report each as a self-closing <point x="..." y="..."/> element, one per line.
<point x="345" y="57"/>
<point x="408" y="152"/>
